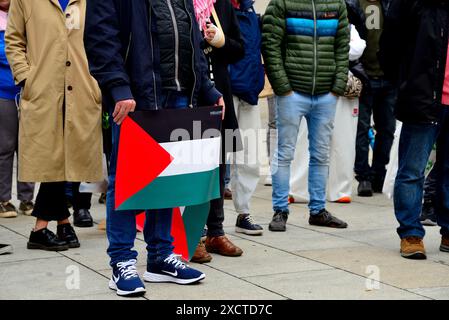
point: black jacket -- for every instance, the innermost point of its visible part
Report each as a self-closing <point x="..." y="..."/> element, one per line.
<point x="221" y="58"/>
<point x="357" y="17"/>
<point x="413" y="55"/>
<point x="122" y="49"/>
<point x="173" y="26"/>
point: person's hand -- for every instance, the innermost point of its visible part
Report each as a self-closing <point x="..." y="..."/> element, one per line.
<point x="122" y="109"/>
<point x="221" y="102"/>
<point x="210" y="32"/>
<point x="214" y="36"/>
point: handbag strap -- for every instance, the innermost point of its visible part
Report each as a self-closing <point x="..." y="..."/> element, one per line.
<point x="217" y="21"/>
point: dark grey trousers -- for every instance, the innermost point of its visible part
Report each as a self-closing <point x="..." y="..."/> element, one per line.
<point x="9" y="128"/>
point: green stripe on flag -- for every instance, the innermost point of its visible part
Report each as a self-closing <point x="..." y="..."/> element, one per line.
<point x="195" y="218"/>
<point x="176" y="191"/>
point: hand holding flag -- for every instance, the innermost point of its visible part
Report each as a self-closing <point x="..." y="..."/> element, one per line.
<point x="122" y="109"/>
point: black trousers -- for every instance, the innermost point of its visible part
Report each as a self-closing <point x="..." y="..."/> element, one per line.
<point x="216" y="213"/>
<point x="80" y="200"/>
<point x="377" y="100"/>
<point x="51" y="202"/>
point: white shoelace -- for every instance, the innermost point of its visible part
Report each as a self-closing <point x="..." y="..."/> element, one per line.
<point x="250" y="219"/>
<point x="128" y="269"/>
<point x="175" y="259"/>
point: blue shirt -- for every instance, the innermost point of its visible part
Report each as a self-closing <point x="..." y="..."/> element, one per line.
<point x="8" y="90"/>
<point x="64" y="4"/>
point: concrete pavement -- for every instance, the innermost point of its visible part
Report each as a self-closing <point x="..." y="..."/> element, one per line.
<point x="303" y="263"/>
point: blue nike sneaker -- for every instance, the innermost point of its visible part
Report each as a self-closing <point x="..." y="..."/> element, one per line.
<point x="172" y="269"/>
<point x="125" y="279"/>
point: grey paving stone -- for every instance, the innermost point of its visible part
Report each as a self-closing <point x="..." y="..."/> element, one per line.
<point x="329" y="284"/>
<point x="438" y="293"/>
<point x="393" y="269"/>
<point x="258" y="259"/>
<point x="295" y="239"/>
<point x="48" y="279"/>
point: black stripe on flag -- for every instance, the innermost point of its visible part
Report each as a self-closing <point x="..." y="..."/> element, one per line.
<point x="161" y="124"/>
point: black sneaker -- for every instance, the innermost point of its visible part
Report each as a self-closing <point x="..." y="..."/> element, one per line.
<point x="7" y="210"/>
<point x="26" y="207"/>
<point x="326" y="219"/>
<point x="377" y="185"/>
<point x="44" y="239"/>
<point x="365" y="189"/>
<point x="279" y="221"/>
<point x="245" y="224"/>
<point x="428" y="216"/>
<point x="82" y="219"/>
<point x="67" y="233"/>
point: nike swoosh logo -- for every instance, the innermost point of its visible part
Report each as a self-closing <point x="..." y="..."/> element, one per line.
<point x="115" y="279"/>
<point x="174" y="274"/>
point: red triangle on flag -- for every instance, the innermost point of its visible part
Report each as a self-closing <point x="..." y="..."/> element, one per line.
<point x="140" y="160"/>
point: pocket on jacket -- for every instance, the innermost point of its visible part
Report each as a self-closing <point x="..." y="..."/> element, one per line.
<point x="26" y="90"/>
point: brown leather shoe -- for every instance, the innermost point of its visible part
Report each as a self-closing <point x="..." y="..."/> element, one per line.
<point x="201" y="255"/>
<point x="413" y="248"/>
<point x="227" y="194"/>
<point x="444" y="244"/>
<point x="222" y="245"/>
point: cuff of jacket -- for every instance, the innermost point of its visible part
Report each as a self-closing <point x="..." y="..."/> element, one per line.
<point x="121" y="93"/>
<point x="339" y="87"/>
<point x="21" y="76"/>
<point x="282" y="91"/>
<point x="211" y="97"/>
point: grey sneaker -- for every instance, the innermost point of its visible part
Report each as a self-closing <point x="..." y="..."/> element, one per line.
<point x="7" y="210"/>
<point x="26" y="207"/>
<point x="279" y="221"/>
<point x="5" y="248"/>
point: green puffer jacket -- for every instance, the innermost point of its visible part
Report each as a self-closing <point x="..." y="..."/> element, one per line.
<point x="306" y="46"/>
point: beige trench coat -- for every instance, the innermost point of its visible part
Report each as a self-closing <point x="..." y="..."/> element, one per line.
<point x="44" y="46"/>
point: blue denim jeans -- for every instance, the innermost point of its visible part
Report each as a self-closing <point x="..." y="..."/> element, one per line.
<point x="415" y="146"/>
<point x="121" y="225"/>
<point x="319" y="112"/>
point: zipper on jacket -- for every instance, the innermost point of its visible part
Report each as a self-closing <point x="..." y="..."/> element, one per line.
<point x="175" y="28"/>
<point x="129" y="46"/>
<point x="315" y="53"/>
<point x="193" y="55"/>
<point x="152" y="57"/>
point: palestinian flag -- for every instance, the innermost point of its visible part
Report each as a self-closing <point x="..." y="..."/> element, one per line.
<point x="186" y="229"/>
<point x="170" y="159"/>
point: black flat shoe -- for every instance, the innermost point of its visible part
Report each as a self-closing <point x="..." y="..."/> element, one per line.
<point x="325" y="219"/>
<point x="365" y="189"/>
<point x="67" y="233"/>
<point x="83" y="219"/>
<point x="44" y="239"/>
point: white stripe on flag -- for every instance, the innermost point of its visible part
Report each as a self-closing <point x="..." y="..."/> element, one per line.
<point x="192" y="156"/>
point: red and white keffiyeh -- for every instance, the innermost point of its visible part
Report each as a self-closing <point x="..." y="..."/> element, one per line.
<point x="203" y="11"/>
